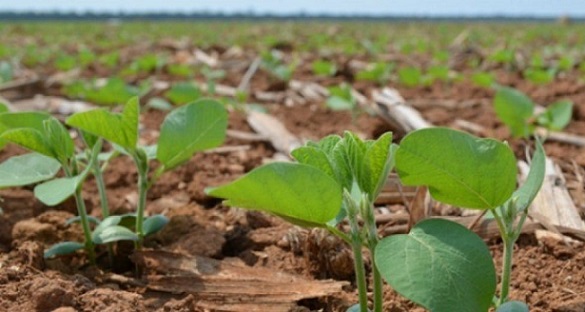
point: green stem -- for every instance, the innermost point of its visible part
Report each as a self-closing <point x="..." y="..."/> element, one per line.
<point x="99" y="180"/>
<point x="142" y="190"/>
<point x="335" y="231"/>
<point x="507" y="257"/>
<point x="506" y="270"/>
<point x="89" y="246"/>
<point x="82" y="212"/>
<point x="378" y="289"/>
<point x="360" y="272"/>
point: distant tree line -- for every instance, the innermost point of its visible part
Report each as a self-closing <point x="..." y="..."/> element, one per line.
<point x="94" y="16"/>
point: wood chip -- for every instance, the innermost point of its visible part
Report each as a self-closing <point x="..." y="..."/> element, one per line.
<point x="267" y="126"/>
<point x="553" y="202"/>
<point x="393" y="108"/>
<point x="229" y="284"/>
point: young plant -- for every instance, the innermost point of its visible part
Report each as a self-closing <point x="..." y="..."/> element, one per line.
<point x="324" y="68"/>
<point x="378" y="73"/>
<point x="273" y="63"/>
<point x="440" y="264"/>
<point x="54" y="150"/>
<point x="517" y="111"/>
<point x="410" y="76"/>
<point x="190" y="128"/>
<point x="335" y="179"/>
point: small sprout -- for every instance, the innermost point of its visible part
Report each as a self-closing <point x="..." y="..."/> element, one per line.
<point x="324" y="68"/>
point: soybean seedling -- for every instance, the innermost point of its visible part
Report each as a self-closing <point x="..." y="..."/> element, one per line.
<point x="54" y="150"/>
<point x="335" y="179"/>
<point x="190" y="128"/>
<point x="517" y="111"/>
<point x="440" y="264"/>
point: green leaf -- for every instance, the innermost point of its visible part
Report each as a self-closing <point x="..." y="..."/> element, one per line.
<point x="557" y="116"/>
<point x="159" y="104"/>
<point x="440" y="265"/>
<point x="64" y="248"/>
<point x="30" y="139"/>
<point x="459" y="169"/>
<point x="182" y="93"/>
<point x="58" y="139"/>
<point x="113" y="233"/>
<point x="524" y="196"/>
<point x="154" y="224"/>
<point x="314" y="157"/>
<point x="410" y="76"/>
<point x="56" y="191"/>
<point x="377" y="163"/>
<point x="91" y="219"/>
<point x="191" y="128"/>
<point x="121" y="129"/>
<point x="514" y="109"/>
<point x="292" y="190"/>
<point x="27" y="169"/>
<point x="513" y="306"/>
<point x="14" y="120"/>
<point x="337" y="103"/>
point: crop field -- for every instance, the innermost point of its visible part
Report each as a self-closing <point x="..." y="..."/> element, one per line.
<point x="292" y="166"/>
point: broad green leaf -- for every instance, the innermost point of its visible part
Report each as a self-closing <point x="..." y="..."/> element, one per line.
<point x="557" y="116"/>
<point x="159" y="104"/>
<point x="56" y="191"/>
<point x="514" y="109"/>
<point x="513" y="306"/>
<point x="440" y="265"/>
<point x="154" y="224"/>
<point x="91" y="219"/>
<point x="14" y="120"/>
<point x="459" y="169"/>
<point x="182" y="93"/>
<point x="296" y="191"/>
<point x="524" y="196"/>
<point x="121" y="129"/>
<point x="113" y="233"/>
<point x="9" y="120"/>
<point x="314" y="157"/>
<point x="107" y="222"/>
<point x="337" y="103"/>
<point x="64" y="248"/>
<point x="30" y="139"/>
<point x="191" y="128"/>
<point x="342" y="164"/>
<point x="58" y="139"/>
<point x="27" y="169"/>
<point x="377" y="163"/>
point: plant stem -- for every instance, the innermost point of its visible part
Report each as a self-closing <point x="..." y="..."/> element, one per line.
<point x="356" y="247"/>
<point x="82" y="212"/>
<point x="506" y="270"/>
<point x="99" y="180"/>
<point x="378" y="290"/>
<point x="508" y="241"/>
<point x="142" y="190"/>
<point x="89" y="246"/>
<point x="360" y="272"/>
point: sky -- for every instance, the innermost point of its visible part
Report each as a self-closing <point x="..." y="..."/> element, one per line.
<point x="539" y="8"/>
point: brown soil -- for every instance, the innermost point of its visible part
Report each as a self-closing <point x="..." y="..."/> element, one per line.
<point x="548" y="275"/>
